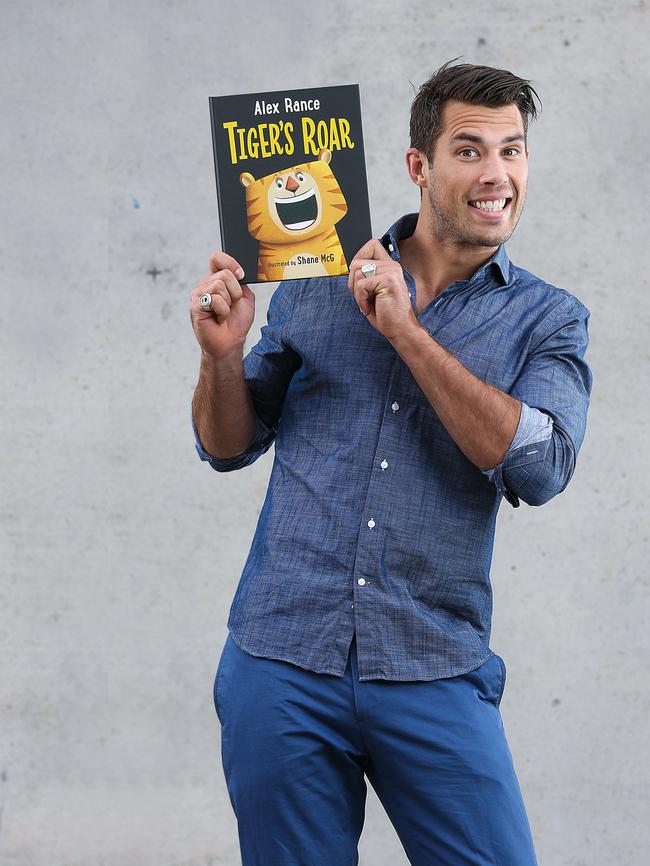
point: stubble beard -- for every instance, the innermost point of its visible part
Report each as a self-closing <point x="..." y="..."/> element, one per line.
<point x="450" y="229"/>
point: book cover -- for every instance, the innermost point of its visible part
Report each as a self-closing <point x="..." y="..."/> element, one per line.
<point x="291" y="179"/>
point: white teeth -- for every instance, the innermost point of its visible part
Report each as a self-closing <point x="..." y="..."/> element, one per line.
<point x="497" y="205"/>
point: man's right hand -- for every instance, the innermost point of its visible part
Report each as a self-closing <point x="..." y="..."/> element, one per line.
<point x="225" y="326"/>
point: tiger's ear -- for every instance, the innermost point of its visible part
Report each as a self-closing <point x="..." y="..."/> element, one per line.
<point x="325" y="154"/>
<point x="246" y="178"/>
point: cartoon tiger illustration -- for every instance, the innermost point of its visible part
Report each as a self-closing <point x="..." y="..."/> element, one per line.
<point x="293" y="214"/>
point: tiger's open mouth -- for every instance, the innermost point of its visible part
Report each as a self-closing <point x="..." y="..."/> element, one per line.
<point x="298" y="212"/>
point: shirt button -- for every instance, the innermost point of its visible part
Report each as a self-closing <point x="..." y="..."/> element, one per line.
<point x="395" y="406"/>
<point x="371" y="523"/>
<point x="361" y="581"/>
<point x="384" y="464"/>
<point x="410" y="295"/>
<point x="391" y="248"/>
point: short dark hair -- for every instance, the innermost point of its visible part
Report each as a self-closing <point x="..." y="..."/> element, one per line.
<point x="476" y="85"/>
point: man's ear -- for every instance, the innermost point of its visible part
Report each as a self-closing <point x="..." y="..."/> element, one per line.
<point x="421" y="175"/>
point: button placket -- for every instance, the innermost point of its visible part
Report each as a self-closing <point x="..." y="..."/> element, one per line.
<point x="407" y="283"/>
<point x="367" y="550"/>
<point x="384" y="463"/>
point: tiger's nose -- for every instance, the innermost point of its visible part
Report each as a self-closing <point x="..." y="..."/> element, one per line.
<point x="291" y="184"/>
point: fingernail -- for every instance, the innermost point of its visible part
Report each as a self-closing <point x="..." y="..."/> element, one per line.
<point x="239" y="273"/>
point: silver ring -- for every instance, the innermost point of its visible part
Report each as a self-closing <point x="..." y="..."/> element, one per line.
<point x="205" y="301"/>
<point x="369" y="270"/>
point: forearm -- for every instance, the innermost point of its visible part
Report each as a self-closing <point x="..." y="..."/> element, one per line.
<point x="222" y="406"/>
<point x="481" y="419"/>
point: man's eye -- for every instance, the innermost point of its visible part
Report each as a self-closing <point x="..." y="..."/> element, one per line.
<point x="472" y="150"/>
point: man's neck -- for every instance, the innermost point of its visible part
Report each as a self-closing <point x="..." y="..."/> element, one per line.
<point x="434" y="266"/>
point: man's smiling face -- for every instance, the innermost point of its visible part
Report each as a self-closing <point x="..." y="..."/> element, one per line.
<point x="479" y="156"/>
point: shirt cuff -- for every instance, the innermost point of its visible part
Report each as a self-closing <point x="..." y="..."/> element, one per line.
<point x="534" y="426"/>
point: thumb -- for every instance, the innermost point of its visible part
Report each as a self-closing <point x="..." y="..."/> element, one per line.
<point x="380" y="252"/>
<point x="373" y="249"/>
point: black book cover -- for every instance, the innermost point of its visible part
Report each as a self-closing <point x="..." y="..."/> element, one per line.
<point x="291" y="181"/>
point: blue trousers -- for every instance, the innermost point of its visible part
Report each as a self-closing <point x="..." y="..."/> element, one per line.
<point x="297" y="745"/>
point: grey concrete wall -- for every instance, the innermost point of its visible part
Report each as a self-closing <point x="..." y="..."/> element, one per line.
<point x="121" y="550"/>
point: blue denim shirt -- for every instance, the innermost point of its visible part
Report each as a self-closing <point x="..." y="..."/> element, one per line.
<point x="375" y="522"/>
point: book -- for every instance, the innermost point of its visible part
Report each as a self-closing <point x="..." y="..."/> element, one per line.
<point x="291" y="180"/>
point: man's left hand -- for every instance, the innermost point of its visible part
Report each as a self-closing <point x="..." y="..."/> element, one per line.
<point x="383" y="297"/>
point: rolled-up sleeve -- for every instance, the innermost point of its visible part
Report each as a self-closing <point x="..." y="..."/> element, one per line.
<point x="268" y="368"/>
<point x="262" y="441"/>
<point x="555" y="383"/>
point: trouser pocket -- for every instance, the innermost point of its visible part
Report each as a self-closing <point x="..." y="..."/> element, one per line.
<point x="217" y="681"/>
<point x="502" y="686"/>
<point x="490" y="679"/>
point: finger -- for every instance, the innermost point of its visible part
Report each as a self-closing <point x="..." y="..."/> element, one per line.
<point x="357" y="275"/>
<point x="195" y="306"/>
<point x="216" y="289"/>
<point x="374" y="250"/>
<point x="220" y="260"/>
<point x="355" y="270"/>
<point x="368" y="252"/>
<point x="363" y="293"/>
<point x="201" y="287"/>
<point x="229" y="282"/>
<point x="223" y="281"/>
<point x="219" y="306"/>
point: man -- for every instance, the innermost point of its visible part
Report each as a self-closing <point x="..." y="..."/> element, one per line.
<point x="405" y="400"/>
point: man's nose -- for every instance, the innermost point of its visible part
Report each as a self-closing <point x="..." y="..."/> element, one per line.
<point x="494" y="172"/>
<point x="291" y="184"/>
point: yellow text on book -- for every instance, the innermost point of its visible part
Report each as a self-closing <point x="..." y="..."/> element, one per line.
<point x="271" y="139"/>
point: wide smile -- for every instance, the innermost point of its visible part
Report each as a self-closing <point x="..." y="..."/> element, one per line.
<point x="298" y="212"/>
<point x="490" y="215"/>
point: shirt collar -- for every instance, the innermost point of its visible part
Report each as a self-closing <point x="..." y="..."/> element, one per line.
<point x="498" y="263"/>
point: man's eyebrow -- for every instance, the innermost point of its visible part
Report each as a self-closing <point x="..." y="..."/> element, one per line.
<point x="467" y="136"/>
